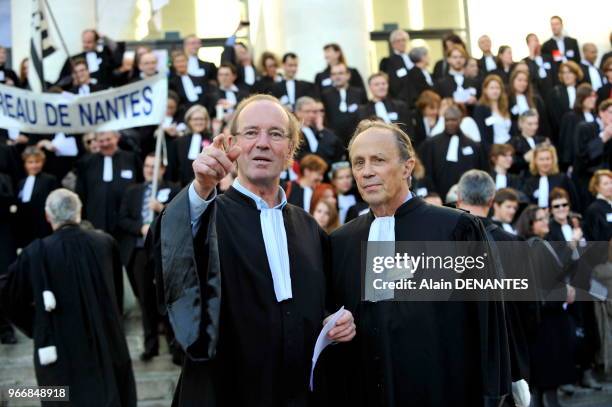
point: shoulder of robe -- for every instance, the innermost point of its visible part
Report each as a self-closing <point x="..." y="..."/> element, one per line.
<point x="351" y="229"/>
<point x="301" y="215"/>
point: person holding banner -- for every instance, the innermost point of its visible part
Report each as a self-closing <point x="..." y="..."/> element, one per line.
<point x="102" y="179"/>
<point x="241" y="275"/>
<point x="83" y="83"/>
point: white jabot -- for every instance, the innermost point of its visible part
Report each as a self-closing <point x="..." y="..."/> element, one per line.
<point x="571" y="95"/>
<point x="452" y="154"/>
<point x="28" y="187"/>
<point x="195" y="146"/>
<point x="381" y="111"/>
<point x="508" y="228"/>
<point x="438" y="127"/>
<point x="311" y="138"/>
<point x="459" y="79"/>
<point x="307" y="198"/>
<point x="343" y="106"/>
<point x="588" y="117"/>
<point x="531" y="142"/>
<point x="490" y="63"/>
<point x="107" y="172"/>
<point x="521" y="102"/>
<point x="190" y="90"/>
<point x="344" y="204"/>
<point x="541" y="69"/>
<point x="249" y="75"/>
<point x="382" y="229"/>
<point x="290" y="85"/>
<point x="595" y="78"/>
<point x="230" y="96"/>
<point x="543" y="192"/>
<point x="501" y="129"/>
<point x="93" y="62"/>
<point x="470" y="129"/>
<point x="427" y="76"/>
<point x="193" y="67"/>
<point x="560" y="45"/>
<point x="567" y="232"/>
<point x="501" y="181"/>
<point x="407" y="61"/>
<point x="84" y="89"/>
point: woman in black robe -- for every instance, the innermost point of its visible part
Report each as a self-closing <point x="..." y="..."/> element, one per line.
<point x="562" y="97"/>
<point x="598" y="216"/>
<point x="550" y="331"/>
<point x="521" y="98"/>
<point x="544" y="170"/>
<point x="583" y="111"/>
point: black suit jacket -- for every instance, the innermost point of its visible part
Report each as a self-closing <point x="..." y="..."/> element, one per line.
<point x="9" y="74"/>
<point x="343" y="123"/>
<point x="31" y="219"/>
<point x="482" y="66"/>
<point x="102" y="200"/>
<point x="572" y="51"/>
<point x="605" y="92"/>
<point x="396" y="109"/>
<point x="558" y="104"/>
<point x="109" y="61"/>
<point x="330" y="147"/>
<point x="587" y="74"/>
<point x="130" y="215"/>
<point x="593" y="154"/>
<point x="302" y="88"/>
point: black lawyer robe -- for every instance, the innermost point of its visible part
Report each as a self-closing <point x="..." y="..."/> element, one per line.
<point x="400" y="85"/>
<point x="302" y="88"/>
<point x="31" y="221"/>
<point x="419" y="84"/>
<point x="259" y="353"/>
<point x="330" y="147"/>
<point x="102" y="200"/>
<point x="343" y="123"/>
<point x="521" y="146"/>
<point x="597" y="223"/>
<point x="542" y="85"/>
<point x="179" y="164"/>
<point x="434" y="354"/>
<point x="323" y="79"/>
<point x="84" y="273"/>
<point x="444" y="174"/>
<point x="568" y="138"/>
<point x="538" y="105"/>
<point x="532" y="184"/>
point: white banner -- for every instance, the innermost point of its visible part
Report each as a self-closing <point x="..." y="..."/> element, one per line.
<point x="140" y="103"/>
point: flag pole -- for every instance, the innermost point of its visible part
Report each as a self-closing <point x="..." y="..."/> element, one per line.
<point x="59" y="33"/>
<point x="159" y="134"/>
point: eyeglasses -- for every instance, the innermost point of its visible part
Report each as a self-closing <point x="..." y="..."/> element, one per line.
<point x="558" y="206"/>
<point x="273" y="134"/>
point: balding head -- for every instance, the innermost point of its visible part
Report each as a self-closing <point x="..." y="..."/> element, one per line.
<point x="589" y="52"/>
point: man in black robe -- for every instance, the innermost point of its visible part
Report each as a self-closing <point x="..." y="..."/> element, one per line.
<point x="342" y="102"/>
<point x="195" y="66"/>
<point x="65" y="292"/>
<point x="398" y="64"/>
<point x="316" y="138"/>
<point x="247" y="304"/>
<point x="560" y="47"/>
<point x="476" y="194"/>
<point x="450" y="154"/>
<point x="434" y="354"/>
<point x="102" y="179"/>
<point x="290" y="89"/>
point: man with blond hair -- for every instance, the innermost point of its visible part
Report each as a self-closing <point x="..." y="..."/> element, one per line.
<point x="242" y="274"/>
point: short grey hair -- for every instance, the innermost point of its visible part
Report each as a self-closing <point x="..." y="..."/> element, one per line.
<point x="301" y="102"/>
<point x="404" y="144"/>
<point x="395" y="34"/>
<point x="63" y="206"/>
<point x="528" y="113"/>
<point x="476" y="188"/>
<point x="417" y="54"/>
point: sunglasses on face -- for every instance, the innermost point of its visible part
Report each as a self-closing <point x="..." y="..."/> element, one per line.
<point x="559" y="206"/>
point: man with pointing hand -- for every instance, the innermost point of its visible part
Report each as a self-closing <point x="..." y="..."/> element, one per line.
<point x="242" y="274"/>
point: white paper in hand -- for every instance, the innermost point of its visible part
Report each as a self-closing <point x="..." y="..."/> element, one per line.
<point x="323" y="341"/>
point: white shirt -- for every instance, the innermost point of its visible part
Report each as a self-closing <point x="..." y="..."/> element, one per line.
<point x="501" y="181"/>
<point x="249" y="75"/>
<point x="452" y="154"/>
<point x="501" y="129"/>
<point x="343" y="106"/>
<point x="571" y="95"/>
<point x="588" y="117"/>
<point x="490" y="63"/>
<point x="193" y="67"/>
<point x="272" y="229"/>
<point x="311" y="138"/>
<point x="290" y="85"/>
<point x="381" y="111"/>
<point x="28" y="187"/>
<point x="107" y="172"/>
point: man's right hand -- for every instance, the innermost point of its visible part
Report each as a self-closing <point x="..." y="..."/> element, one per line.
<point x="212" y="165"/>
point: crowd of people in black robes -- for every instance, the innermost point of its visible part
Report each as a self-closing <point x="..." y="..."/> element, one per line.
<point x="540" y="126"/>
